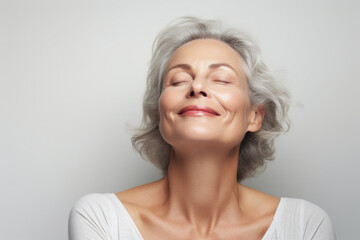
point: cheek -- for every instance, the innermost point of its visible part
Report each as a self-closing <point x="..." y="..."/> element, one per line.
<point x="236" y="122"/>
<point x="167" y="106"/>
<point x="162" y="106"/>
<point x="168" y="102"/>
<point x="234" y="101"/>
<point x="236" y="104"/>
<point x="171" y="98"/>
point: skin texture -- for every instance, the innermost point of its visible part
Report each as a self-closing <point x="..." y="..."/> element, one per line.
<point x="200" y="197"/>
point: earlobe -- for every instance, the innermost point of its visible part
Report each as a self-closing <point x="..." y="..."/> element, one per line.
<point x="257" y="117"/>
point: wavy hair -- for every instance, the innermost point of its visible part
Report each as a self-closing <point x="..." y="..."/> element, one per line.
<point x="264" y="90"/>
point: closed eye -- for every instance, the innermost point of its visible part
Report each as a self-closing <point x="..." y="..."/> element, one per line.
<point x="179" y="78"/>
<point x="177" y="83"/>
<point x="222" y="81"/>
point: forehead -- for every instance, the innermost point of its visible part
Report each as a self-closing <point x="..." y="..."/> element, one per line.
<point x="206" y="51"/>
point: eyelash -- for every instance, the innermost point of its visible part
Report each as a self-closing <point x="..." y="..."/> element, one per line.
<point x="222" y="81"/>
<point x="177" y="83"/>
<point x="218" y="81"/>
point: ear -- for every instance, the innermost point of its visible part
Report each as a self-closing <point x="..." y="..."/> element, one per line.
<point x="256" y="118"/>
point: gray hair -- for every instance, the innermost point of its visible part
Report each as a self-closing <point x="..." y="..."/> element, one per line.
<point x="264" y="90"/>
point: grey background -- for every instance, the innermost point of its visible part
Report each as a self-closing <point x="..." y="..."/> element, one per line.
<point x="72" y="76"/>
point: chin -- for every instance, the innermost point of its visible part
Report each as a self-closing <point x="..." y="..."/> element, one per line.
<point x="193" y="135"/>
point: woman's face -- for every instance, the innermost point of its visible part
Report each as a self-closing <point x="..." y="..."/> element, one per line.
<point x="205" y="96"/>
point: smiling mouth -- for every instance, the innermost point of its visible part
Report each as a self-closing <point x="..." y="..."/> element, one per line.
<point x="196" y="110"/>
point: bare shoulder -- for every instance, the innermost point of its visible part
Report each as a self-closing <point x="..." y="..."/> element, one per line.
<point x="141" y="202"/>
<point x="264" y="204"/>
<point x="143" y="196"/>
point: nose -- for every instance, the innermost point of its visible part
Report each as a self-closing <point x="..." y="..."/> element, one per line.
<point x="197" y="89"/>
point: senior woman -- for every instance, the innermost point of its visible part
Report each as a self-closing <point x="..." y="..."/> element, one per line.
<point x="212" y="110"/>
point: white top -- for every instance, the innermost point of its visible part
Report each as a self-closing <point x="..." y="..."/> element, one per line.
<point x="103" y="216"/>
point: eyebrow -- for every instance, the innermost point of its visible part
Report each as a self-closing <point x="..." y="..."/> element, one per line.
<point x="217" y="65"/>
<point x="211" y="66"/>
<point x="183" y="66"/>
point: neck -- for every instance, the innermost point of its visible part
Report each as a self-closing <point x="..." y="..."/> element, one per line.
<point x="202" y="185"/>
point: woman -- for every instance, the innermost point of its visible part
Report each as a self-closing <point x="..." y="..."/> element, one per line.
<point x="211" y="112"/>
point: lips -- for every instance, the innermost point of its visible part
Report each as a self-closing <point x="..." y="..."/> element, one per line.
<point x="198" y="110"/>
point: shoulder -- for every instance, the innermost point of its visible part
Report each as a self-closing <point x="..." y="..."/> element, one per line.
<point x="95" y="216"/>
<point x="94" y="204"/>
<point x="301" y="209"/>
<point x="258" y="202"/>
<point x="143" y="196"/>
<point x="93" y="198"/>
<point x="298" y="217"/>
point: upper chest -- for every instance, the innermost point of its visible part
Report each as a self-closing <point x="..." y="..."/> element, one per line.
<point x="152" y="226"/>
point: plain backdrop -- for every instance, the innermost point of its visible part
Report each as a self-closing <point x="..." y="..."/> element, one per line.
<point x="72" y="77"/>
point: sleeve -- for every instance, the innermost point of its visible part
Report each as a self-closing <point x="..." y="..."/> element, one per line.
<point x="318" y="225"/>
<point x="88" y="220"/>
